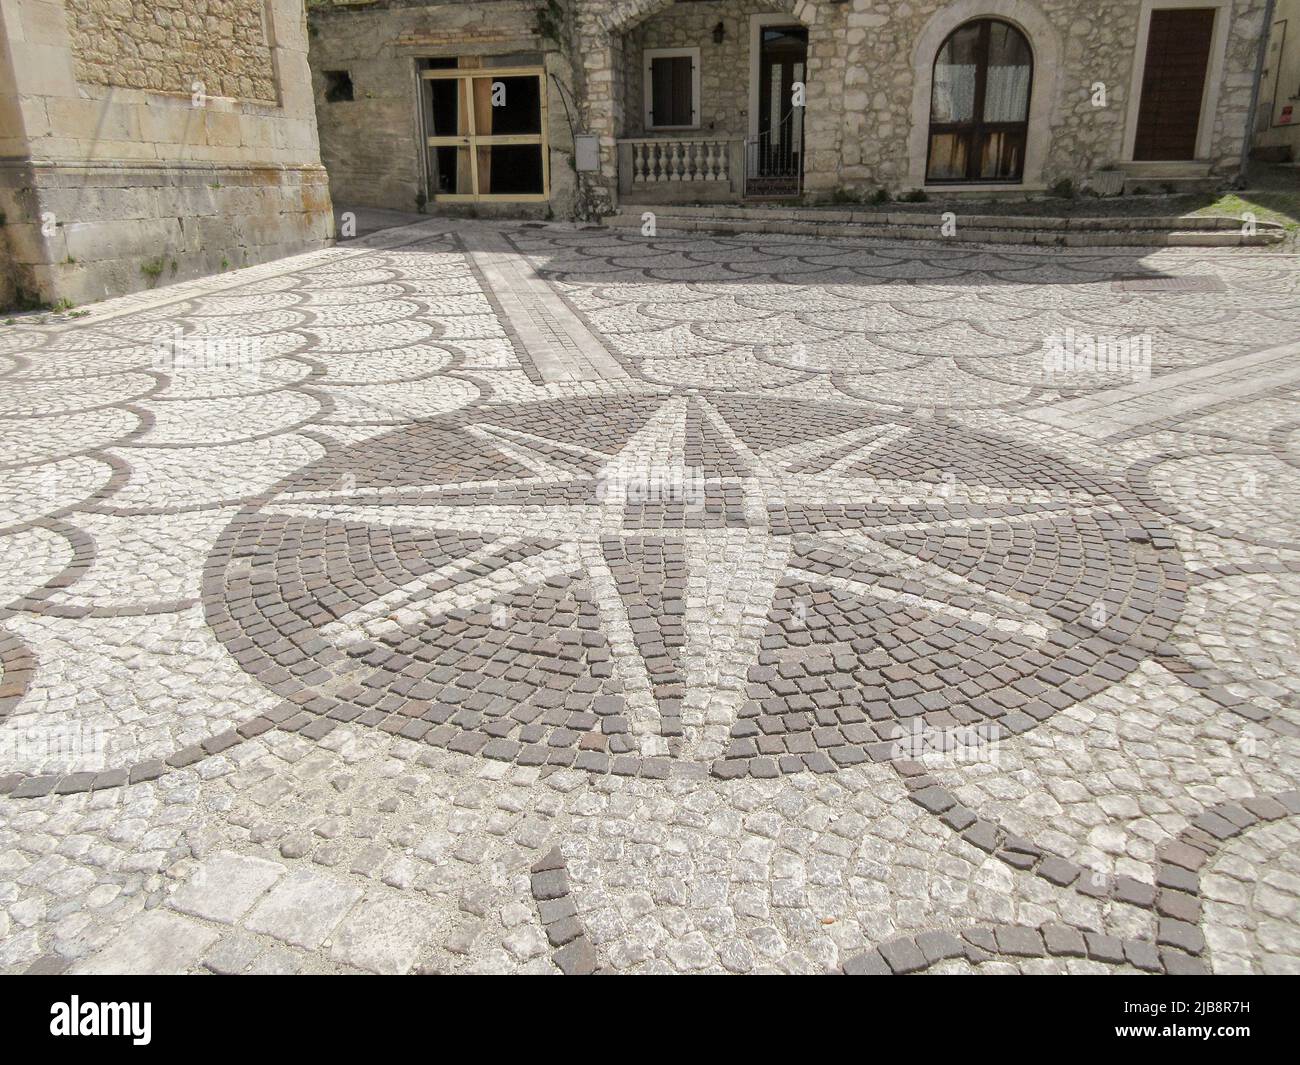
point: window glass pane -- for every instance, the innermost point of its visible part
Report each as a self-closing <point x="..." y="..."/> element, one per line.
<point x="983" y="78"/>
<point x="672" y="88"/>
<point x="510" y="169"/>
<point x="796" y="133"/>
<point x="948" y="155"/>
<point x="1002" y="155"/>
<point x="507" y="105"/>
<point x="953" y="99"/>
<point x="1006" y="93"/>
<point x="782" y="36"/>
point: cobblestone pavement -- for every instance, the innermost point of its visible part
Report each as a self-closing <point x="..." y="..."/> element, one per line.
<point x="531" y="598"/>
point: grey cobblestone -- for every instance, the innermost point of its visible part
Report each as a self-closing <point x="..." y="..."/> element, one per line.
<point x="781" y="638"/>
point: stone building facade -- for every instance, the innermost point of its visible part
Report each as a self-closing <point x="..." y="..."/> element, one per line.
<point x="1108" y="95"/>
<point x="141" y="143"/>
<point x="724" y="78"/>
<point x="1277" y="118"/>
<point x="376" y="112"/>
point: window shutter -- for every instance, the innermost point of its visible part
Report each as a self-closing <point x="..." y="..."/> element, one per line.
<point x="672" y="97"/>
<point x="683" y="105"/>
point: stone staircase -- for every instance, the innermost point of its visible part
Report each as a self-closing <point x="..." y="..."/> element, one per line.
<point x="1174" y="177"/>
<point x="1156" y="231"/>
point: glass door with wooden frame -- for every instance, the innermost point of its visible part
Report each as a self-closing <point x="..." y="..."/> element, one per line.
<point x="486" y="134"/>
<point x="775" y="163"/>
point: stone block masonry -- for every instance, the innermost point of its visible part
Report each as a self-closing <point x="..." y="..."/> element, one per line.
<point x="869" y="72"/>
<point x="724" y="66"/>
<point x="167" y="45"/>
<point x="141" y="144"/>
<point x="119" y="228"/>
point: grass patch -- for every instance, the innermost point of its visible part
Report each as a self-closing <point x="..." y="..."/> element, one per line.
<point x="1267" y="206"/>
<point x="1273" y="195"/>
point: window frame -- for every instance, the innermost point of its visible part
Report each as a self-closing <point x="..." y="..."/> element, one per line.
<point x="473" y="140"/>
<point x="977" y="128"/>
<point x="648" y="57"/>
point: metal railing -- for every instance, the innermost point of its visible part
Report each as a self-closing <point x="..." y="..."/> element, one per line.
<point x="773" y="166"/>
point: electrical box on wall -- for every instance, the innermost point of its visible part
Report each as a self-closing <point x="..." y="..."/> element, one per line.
<point x="586" y="152"/>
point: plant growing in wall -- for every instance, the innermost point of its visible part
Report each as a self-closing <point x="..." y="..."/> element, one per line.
<point x="152" y="269"/>
<point x="550" y="21"/>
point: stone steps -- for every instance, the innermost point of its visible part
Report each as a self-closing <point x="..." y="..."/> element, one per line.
<point x="1153" y="231"/>
<point x="1176" y="176"/>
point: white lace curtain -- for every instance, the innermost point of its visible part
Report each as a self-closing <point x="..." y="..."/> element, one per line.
<point x="1006" y="93"/>
<point x="954" y="93"/>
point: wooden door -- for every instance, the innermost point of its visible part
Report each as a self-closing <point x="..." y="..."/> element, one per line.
<point x="1173" y="86"/>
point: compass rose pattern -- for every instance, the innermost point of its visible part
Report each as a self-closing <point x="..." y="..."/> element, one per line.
<point x="398" y="615"/>
<point x="693" y="579"/>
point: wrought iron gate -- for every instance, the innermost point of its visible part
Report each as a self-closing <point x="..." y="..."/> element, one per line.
<point x="774" y="157"/>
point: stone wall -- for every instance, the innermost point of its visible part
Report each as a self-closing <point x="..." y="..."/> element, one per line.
<point x="869" y="70"/>
<point x="12" y="143"/>
<point x="167" y="45"/>
<point x="101" y="183"/>
<point x="1272" y="133"/>
<point x="868" y="94"/>
<point x="123" y="228"/>
<point x="1230" y="130"/>
<point x="724" y="68"/>
<point x="371" y="144"/>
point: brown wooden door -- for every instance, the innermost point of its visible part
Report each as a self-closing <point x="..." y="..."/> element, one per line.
<point x="1178" y="53"/>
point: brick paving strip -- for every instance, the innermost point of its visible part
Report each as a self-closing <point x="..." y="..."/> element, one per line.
<point x="1165" y="398"/>
<point x="556" y="340"/>
<point x="981" y="944"/>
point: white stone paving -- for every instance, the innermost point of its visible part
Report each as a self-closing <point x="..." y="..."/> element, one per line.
<point x="365" y="851"/>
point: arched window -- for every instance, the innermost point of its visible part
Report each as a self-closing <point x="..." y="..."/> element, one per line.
<point x="979" y="104"/>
